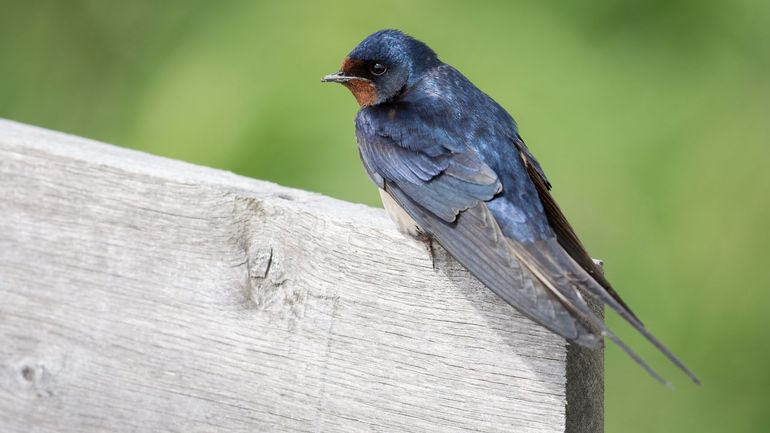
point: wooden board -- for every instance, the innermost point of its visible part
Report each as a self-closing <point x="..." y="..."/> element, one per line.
<point x="139" y="293"/>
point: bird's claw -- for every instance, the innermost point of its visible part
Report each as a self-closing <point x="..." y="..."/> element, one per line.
<point x="428" y="241"/>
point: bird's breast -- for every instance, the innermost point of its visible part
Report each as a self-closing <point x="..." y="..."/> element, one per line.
<point x="404" y="222"/>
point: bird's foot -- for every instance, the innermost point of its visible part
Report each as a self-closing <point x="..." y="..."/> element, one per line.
<point x="427" y="240"/>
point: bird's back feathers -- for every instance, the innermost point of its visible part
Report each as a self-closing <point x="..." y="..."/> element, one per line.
<point x="452" y="158"/>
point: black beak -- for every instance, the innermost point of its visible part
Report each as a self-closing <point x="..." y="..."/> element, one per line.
<point x="338" y="77"/>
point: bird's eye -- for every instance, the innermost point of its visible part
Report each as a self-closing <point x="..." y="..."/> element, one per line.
<point x="378" y="69"/>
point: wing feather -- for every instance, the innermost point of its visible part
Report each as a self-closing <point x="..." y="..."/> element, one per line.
<point x="563" y="229"/>
<point x="474" y="239"/>
<point x="447" y="191"/>
<point x="569" y="258"/>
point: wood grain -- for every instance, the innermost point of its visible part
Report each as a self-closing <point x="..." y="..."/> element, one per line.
<point x="139" y="293"/>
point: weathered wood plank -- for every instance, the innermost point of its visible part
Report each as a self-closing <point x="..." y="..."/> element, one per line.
<point x="139" y="293"/>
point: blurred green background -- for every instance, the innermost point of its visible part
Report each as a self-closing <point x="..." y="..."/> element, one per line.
<point x="651" y="118"/>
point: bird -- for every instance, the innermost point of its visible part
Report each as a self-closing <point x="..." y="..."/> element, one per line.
<point x="451" y="167"/>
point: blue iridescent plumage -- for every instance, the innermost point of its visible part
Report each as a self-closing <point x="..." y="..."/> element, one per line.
<point x="453" y="160"/>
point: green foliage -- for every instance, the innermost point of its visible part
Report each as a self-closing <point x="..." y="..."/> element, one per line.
<point x="651" y="119"/>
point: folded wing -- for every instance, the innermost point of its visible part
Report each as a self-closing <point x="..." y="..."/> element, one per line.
<point x="447" y="191"/>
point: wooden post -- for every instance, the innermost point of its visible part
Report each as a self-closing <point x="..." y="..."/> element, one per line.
<point x="139" y="293"/>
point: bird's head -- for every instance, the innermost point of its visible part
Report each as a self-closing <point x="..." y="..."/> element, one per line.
<point x="382" y="66"/>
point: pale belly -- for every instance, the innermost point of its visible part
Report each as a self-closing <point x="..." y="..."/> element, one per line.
<point x="404" y="222"/>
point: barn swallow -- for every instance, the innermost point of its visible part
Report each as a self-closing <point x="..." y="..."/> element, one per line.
<point x="450" y="165"/>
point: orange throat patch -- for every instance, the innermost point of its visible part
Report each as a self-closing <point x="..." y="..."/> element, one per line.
<point x="364" y="91"/>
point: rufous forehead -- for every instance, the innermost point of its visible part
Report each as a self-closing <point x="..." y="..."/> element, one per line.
<point x="350" y="64"/>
